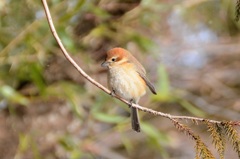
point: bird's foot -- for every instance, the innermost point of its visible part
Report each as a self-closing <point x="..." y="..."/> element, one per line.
<point x="131" y="102"/>
<point x="113" y="94"/>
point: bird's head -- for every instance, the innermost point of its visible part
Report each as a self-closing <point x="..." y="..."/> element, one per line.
<point x="115" y="57"/>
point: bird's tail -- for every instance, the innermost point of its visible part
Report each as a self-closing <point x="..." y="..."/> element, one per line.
<point x="135" y="120"/>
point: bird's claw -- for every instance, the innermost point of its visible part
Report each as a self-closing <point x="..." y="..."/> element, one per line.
<point x="112" y="93"/>
<point x="131" y="102"/>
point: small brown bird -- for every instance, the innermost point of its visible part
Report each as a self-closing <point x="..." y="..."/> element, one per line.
<point x="127" y="79"/>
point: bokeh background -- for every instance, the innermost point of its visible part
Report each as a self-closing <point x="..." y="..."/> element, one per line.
<point x="190" y="49"/>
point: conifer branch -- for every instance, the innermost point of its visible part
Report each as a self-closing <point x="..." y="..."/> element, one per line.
<point x="232" y="135"/>
<point x="218" y="138"/>
<point x="201" y="149"/>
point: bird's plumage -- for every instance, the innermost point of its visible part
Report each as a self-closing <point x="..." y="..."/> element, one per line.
<point x="127" y="78"/>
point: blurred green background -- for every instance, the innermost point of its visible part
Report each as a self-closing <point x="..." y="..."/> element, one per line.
<point x="190" y="49"/>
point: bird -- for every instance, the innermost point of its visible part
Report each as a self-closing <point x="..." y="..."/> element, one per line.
<point x="127" y="78"/>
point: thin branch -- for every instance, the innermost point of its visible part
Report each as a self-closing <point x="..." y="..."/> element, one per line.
<point x="85" y="75"/>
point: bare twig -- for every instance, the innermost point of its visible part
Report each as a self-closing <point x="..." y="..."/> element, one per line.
<point x="171" y="117"/>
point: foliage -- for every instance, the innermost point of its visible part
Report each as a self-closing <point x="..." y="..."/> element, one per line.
<point x="57" y="114"/>
<point x="201" y="149"/>
<point x="237" y="10"/>
<point x="232" y="135"/>
<point x="219" y="132"/>
<point x="218" y="138"/>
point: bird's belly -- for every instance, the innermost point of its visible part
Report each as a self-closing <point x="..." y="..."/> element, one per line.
<point x="127" y="84"/>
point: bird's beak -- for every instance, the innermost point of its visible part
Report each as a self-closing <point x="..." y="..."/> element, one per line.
<point x="105" y="64"/>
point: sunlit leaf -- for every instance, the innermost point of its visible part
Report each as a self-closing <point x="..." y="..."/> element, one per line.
<point x="151" y="131"/>
<point x="143" y="42"/>
<point x="13" y="96"/>
<point x="108" y="118"/>
<point x="156" y="138"/>
<point x="36" y="74"/>
<point x="68" y="91"/>
<point x="76" y="154"/>
<point x="195" y="111"/>
<point x="67" y="143"/>
<point x="163" y="86"/>
<point x="24" y="142"/>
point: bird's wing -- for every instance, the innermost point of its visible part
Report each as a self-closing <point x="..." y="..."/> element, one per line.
<point x="149" y="84"/>
<point x="141" y="71"/>
<point x="139" y="68"/>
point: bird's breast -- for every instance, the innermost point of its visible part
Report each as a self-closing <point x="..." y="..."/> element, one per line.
<point x="126" y="82"/>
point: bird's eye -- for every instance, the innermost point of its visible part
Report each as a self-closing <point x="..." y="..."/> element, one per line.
<point x="113" y="59"/>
